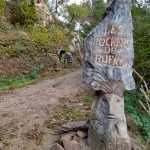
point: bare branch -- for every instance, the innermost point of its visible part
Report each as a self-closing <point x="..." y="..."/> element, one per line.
<point x="144" y="108"/>
<point x="145" y="84"/>
<point x="146" y="93"/>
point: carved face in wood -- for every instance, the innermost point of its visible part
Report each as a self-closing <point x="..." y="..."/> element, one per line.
<point x="108" y="111"/>
<point x="115" y="106"/>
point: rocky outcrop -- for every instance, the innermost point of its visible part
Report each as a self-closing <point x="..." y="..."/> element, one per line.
<point x="44" y="15"/>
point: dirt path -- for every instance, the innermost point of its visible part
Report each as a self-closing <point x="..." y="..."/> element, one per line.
<point x="32" y="104"/>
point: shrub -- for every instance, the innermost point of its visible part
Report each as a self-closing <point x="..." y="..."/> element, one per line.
<point x="141" y="23"/>
<point x="48" y="36"/>
<point x="23" y="13"/>
<point x="40" y="35"/>
<point x="141" y="118"/>
<point x="2" y="5"/>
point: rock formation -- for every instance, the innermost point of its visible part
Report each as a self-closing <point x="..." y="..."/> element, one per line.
<point x="44" y="15"/>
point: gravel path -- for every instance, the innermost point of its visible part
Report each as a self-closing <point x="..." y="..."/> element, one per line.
<point x="32" y="104"/>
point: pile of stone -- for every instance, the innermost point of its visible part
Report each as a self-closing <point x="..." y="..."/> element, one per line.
<point x="73" y="136"/>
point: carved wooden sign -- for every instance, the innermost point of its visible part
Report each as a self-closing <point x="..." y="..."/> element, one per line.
<point x="108" y="53"/>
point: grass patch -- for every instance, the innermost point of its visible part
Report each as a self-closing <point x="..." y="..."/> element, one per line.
<point x="75" y="112"/>
<point x="11" y="83"/>
<point x="65" y="115"/>
<point x="18" y="82"/>
<point x="141" y="142"/>
<point x="86" y="97"/>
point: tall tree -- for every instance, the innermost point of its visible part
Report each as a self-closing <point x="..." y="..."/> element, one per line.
<point x="98" y="7"/>
<point x="77" y="14"/>
<point x="55" y="5"/>
<point x="141" y="24"/>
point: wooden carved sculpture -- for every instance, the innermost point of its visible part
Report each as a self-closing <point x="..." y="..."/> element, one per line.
<point x="108" y="129"/>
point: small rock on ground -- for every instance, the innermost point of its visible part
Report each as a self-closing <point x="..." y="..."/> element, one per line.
<point x="67" y="136"/>
<point x="1" y="146"/>
<point x="81" y="134"/>
<point x="73" y="126"/>
<point x="58" y="147"/>
<point x="71" y="145"/>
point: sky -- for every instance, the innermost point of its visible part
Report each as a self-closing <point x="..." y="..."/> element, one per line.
<point x="75" y="1"/>
<point x="70" y="2"/>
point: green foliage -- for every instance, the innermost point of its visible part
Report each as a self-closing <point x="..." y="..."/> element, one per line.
<point x="33" y="73"/>
<point x="11" y="83"/>
<point x="141" y="32"/>
<point x="7" y="83"/>
<point x="23" y="13"/>
<point x="97" y="10"/>
<point x="47" y="36"/>
<point x="40" y="35"/>
<point x="4" y="26"/>
<point x="31" y="41"/>
<point x="77" y="13"/>
<point x="35" y="70"/>
<point x="46" y="1"/>
<point x="17" y="49"/>
<point x="2" y="5"/>
<point x="13" y="43"/>
<point x="142" y="142"/>
<point x="140" y="117"/>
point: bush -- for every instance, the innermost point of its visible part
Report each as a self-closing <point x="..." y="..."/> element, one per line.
<point x="141" y="23"/>
<point x="40" y="35"/>
<point x="141" y="118"/>
<point x="48" y="36"/>
<point x="23" y="13"/>
<point x="2" y="5"/>
<point x="10" y="83"/>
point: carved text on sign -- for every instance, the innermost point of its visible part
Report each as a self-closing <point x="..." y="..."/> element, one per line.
<point x="110" y="45"/>
<point x="114" y="29"/>
<point x="111" y="60"/>
<point x="112" y="42"/>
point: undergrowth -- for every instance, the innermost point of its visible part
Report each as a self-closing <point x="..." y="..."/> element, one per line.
<point x="25" y="53"/>
<point x="2" y="5"/>
<point x="17" y="82"/>
<point x="31" y="41"/>
<point x="33" y="77"/>
<point x="140" y="117"/>
<point x="22" y="13"/>
<point x="65" y="115"/>
<point x="48" y="36"/>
